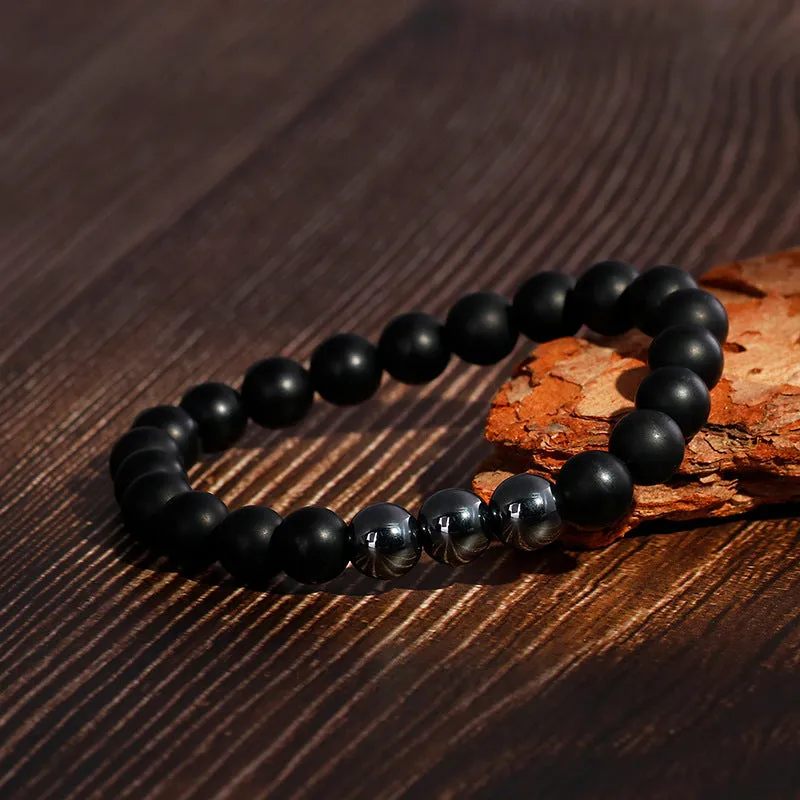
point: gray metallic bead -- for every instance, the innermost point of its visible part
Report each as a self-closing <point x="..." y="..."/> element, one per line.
<point x="455" y="526"/>
<point x="525" y="507"/>
<point x="384" y="541"/>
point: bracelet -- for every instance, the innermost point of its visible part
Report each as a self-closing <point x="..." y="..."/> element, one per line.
<point x="593" y="489"/>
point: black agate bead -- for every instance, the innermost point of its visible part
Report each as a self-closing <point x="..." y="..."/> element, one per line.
<point x="412" y="348"/>
<point x="694" y="307"/>
<point x="345" y="369"/>
<point x="185" y="526"/>
<point x="179" y="425"/>
<point x="277" y="392"/>
<point x="217" y="409"/>
<point x="480" y="328"/>
<point x="540" y="308"/>
<point x="646" y="294"/>
<point x="146" y="497"/>
<point x="141" y="463"/>
<point x="678" y="392"/>
<point x="243" y="544"/>
<point x="526" y="512"/>
<point x="384" y="541"/>
<point x="455" y="526"/>
<point x="689" y="346"/>
<point x="596" y="298"/>
<point x="650" y="444"/>
<point x="144" y="438"/>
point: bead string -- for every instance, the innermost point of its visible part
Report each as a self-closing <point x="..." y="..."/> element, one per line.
<point x="594" y="489"/>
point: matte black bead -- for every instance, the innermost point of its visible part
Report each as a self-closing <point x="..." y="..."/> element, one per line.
<point x="595" y="300"/>
<point x="144" y="438"/>
<point x="694" y="307"/>
<point x="455" y="526"/>
<point x="243" y="544"/>
<point x="345" y="369"/>
<point x="688" y="346"/>
<point x="140" y="463"/>
<point x="526" y="510"/>
<point x="218" y="411"/>
<point x="277" y="392"/>
<point x="412" y="348"/>
<point x="312" y="545"/>
<point x="384" y="541"/>
<point x="678" y="392"/>
<point x="540" y="308"/>
<point x="148" y="495"/>
<point x="480" y="328"/>
<point x="649" y="290"/>
<point x="179" y="425"/>
<point x="594" y="490"/>
<point x="185" y="526"/>
<point x="650" y="444"/>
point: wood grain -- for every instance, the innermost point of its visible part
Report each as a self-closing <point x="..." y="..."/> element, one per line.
<point x="188" y="187"/>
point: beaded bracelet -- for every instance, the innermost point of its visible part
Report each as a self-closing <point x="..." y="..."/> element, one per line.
<point x="593" y="489"/>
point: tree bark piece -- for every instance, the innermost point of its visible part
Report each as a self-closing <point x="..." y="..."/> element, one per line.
<point x="565" y="397"/>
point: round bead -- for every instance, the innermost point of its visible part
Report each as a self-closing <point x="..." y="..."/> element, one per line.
<point x="688" y="346"/>
<point x="277" y="392"/>
<point x="525" y="507"/>
<point x="145" y="438"/>
<point x="147" y="496"/>
<point x="345" y="369"/>
<point x="412" y="348"/>
<point x="694" y="307"/>
<point x="217" y="409"/>
<point x="384" y="541"/>
<point x="455" y="526"/>
<point x="679" y="393"/>
<point x="594" y="490"/>
<point x="540" y="308"/>
<point x="140" y="463"/>
<point x="178" y="424"/>
<point x="647" y="292"/>
<point x="312" y="545"/>
<point x="185" y="526"/>
<point x="243" y="544"/>
<point x="480" y="328"/>
<point x="650" y="444"/>
<point x="595" y="300"/>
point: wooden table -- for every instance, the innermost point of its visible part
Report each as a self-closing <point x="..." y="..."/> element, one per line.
<point x="189" y="186"/>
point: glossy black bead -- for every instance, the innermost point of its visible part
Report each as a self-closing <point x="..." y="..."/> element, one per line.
<point x="525" y="508"/>
<point x="243" y="544"/>
<point x="218" y="411"/>
<point x="596" y="298"/>
<point x="140" y="463"/>
<point x="480" y="328"/>
<point x="593" y="490"/>
<point x="694" y="307"/>
<point x="144" y="438"/>
<point x="277" y="392"/>
<point x="679" y="393"/>
<point x="650" y="444"/>
<point x="648" y="291"/>
<point x="540" y="309"/>
<point x="179" y="425"/>
<point x="455" y="526"/>
<point x="146" y="497"/>
<point x="412" y="348"/>
<point x="688" y="346"/>
<point x="185" y="526"/>
<point x="345" y="369"/>
<point x="384" y="541"/>
<point x="312" y="545"/>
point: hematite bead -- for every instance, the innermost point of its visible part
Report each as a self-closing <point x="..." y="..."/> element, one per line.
<point x="412" y="348"/>
<point x="688" y="346"/>
<point x="455" y="526"/>
<point x="145" y="438"/>
<point x="217" y="409"/>
<point x="595" y="300"/>
<point x="179" y="425"/>
<point x="480" y="328"/>
<point x="525" y="507"/>
<point x="540" y="308"/>
<point x="593" y="490"/>
<point x="141" y="463"/>
<point x="185" y="526"/>
<point x="345" y="369"/>
<point x="312" y="545"/>
<point x="644" y="296"/>
<point x="277" y="392"/>
<point x="243" y="544"/>
<point x="679" y="393"/>
<point x="148" y="495"/>
<point x="694" y="307"/>
<point x="650" y="444"/>
<point x="384" y="541"/>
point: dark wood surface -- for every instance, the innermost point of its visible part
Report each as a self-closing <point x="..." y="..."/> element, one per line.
<point x="189" y="186"/>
